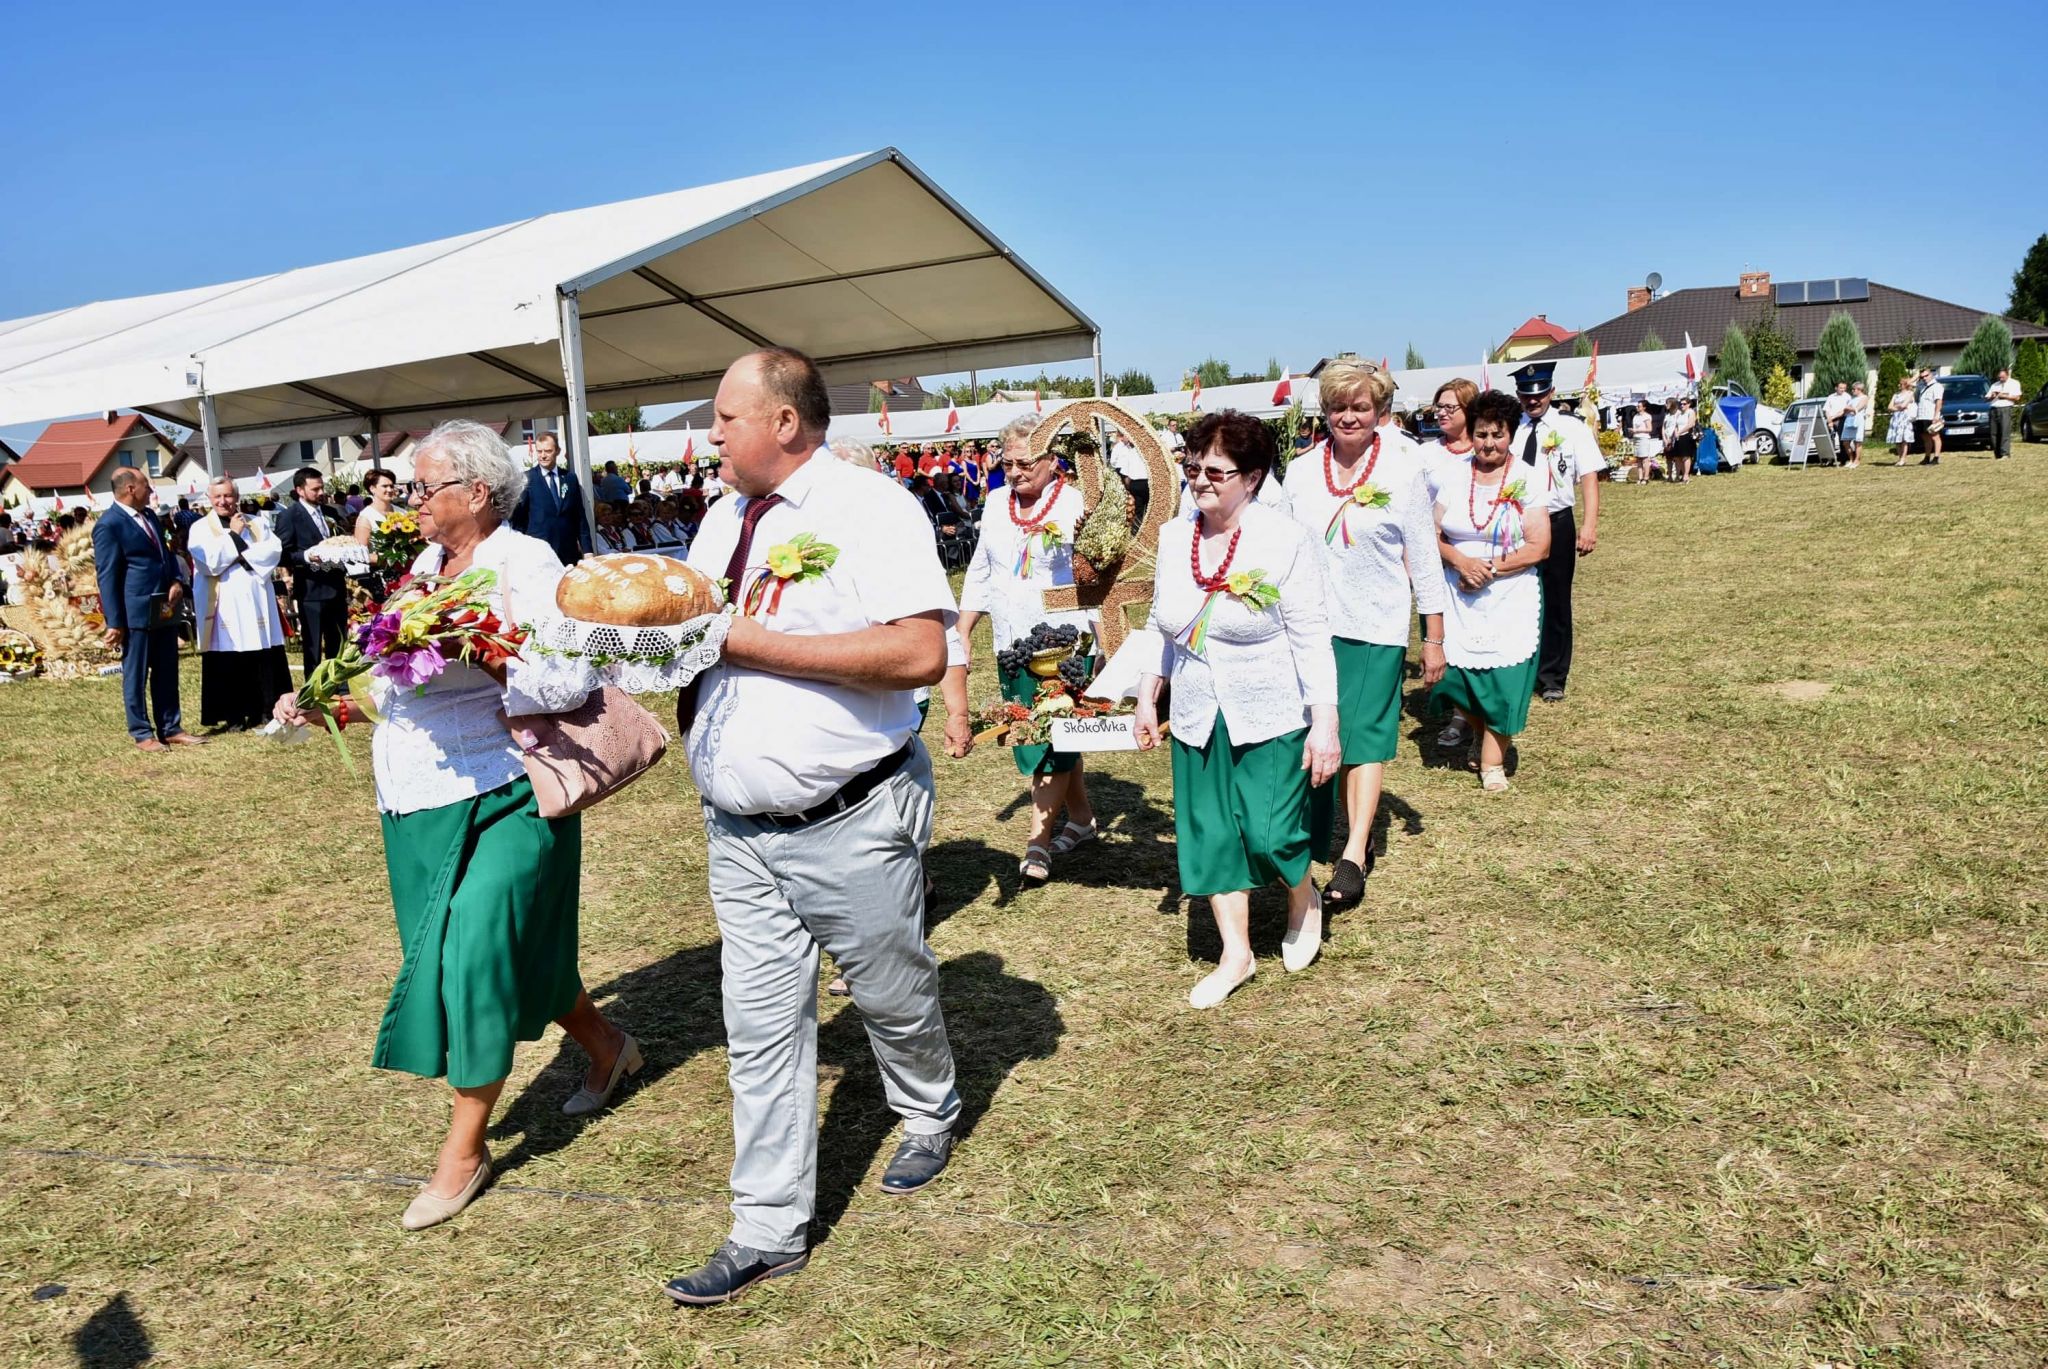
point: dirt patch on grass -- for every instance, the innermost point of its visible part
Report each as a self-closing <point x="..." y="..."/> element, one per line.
<point x="1800" y="691"/>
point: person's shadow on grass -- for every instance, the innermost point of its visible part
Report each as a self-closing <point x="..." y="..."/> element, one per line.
<point x="112" y="1338"/>
<point x="672" y="1008"/>
<point x="994" y="1021"/>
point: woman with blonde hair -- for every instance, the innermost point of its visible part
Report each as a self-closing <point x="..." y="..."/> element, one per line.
<point x="1363" y="497"/>
<point x="1026" y="547"/>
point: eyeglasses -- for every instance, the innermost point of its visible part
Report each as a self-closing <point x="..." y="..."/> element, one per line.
<point x="1014" y="464"/>
<point x="422" y="490"/>
<point x="1215" y="475"/>
<point x="1450" y="408"/>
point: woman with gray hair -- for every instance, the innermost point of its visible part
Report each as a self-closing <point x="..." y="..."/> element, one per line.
<point x="484" y="888"/>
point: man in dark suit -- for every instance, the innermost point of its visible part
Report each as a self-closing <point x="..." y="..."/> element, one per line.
<point x="319" y="592"/>
<point x="139" y="594"/>
<point x="552" y="507"/>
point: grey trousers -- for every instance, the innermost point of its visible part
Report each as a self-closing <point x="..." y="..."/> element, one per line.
<point x="854" y="885"/>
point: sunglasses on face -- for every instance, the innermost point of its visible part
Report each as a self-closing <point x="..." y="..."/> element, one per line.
<point x="1023" y="465"/>
<point x="1215" y="475"/>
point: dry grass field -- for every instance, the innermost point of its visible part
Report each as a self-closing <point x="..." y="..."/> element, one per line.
<point x="1717" y="1041"/>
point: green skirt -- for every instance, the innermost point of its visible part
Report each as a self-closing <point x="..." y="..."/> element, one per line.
<point x="485" y="892"/>
<point x="1240" y="813"/>
<point x="1498" y="697"/>
<point x="1021" y="687"/>
<point x="1368" y="699"/>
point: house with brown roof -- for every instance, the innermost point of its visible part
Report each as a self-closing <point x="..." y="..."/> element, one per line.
<point x="1884" y="316"/>
<point x="1533" y="337"/>
<point x="82" y="454"/>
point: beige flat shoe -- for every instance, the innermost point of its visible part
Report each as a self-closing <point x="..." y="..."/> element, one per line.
<point x="429" y="1209"/>
<point x="586" y="1100"/>
<point x="1493" y="778"/>
<point x="1217" y="986"/>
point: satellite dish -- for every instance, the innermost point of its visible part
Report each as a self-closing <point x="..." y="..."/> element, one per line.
<point x="1653" y="282"/>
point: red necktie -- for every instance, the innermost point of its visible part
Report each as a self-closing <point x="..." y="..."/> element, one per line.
<point x="686" y="698"/>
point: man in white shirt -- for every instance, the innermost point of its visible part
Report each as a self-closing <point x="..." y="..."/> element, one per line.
<point x="817" y="802"/>
<point x="2004" y="393"/>
<point x="1833" y="407"/>
<point x="1927" y="417"/>
<point x="1126" y="461"/>
<point x="242" y="665"/>
<point x="1562" y="458"/>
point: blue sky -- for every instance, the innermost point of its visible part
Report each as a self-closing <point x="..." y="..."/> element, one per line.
<point x="1201" y="179"/>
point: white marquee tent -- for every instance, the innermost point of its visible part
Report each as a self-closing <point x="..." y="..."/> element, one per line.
<point x="863" y="262"/>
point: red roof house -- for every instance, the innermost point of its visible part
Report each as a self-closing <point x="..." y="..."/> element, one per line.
<point x="82" y="454"/>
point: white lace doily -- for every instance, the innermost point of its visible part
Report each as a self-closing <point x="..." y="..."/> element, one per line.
<point x="344" y="553"/>
<point x="639" y="660"/>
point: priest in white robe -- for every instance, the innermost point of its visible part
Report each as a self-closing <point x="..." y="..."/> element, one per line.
<point x="242" y="663"/>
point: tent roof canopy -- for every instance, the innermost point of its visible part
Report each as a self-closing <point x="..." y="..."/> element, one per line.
<point x="862" y="262"/>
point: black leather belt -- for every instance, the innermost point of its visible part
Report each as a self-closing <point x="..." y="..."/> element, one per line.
<point x="850" y="793"/>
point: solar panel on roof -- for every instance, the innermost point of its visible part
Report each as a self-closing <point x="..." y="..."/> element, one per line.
<point x="1791" y="292"/>
<point x="1853" y="288"/>
<point x="1820" y="292"/>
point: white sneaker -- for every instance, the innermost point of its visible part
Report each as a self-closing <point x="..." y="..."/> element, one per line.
<point x="1218" y="986"/>
<point x="1299" y="949"/>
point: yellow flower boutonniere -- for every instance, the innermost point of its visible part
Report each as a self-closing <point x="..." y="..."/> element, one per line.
<point x="1371" y="496"/>
<point x="803" y="557"/>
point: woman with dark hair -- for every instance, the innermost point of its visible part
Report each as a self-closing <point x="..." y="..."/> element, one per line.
<point x="1240" y="599"/>
<point x="1493" y="531"/>
<point x="1365" y="501"/>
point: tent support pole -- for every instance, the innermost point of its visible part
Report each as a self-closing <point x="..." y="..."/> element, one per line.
<point x="376" y="451"/>
<point x="578" y="436"/>
<point x="209" y="432"/>
<point x="974" y="387"/>
<point x="1098" y="365"/>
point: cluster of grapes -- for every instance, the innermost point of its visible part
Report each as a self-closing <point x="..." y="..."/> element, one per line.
<point x="1043" y="637"/>
<point x="1074" y="674"/>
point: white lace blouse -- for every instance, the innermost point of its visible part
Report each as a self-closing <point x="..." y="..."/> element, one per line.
<point x="444" y="742"/>
<point x="1262" y="670"/>
<point x="1377" y="561"/>
<point x="999" y="583"/>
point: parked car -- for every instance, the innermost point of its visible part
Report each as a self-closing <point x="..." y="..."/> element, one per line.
<point x="1965" y="412"/>
<point x="2034" y="418"/>
<point x="1796" y="415"/>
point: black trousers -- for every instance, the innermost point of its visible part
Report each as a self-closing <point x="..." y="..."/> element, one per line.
<point x="1554" y="653"/>
<point x="320" y="626"/>
<point x="1141" y="499"/>
<point x="2001" y="432"/>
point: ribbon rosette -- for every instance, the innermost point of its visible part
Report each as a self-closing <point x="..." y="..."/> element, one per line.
<point x="1506" y="535"/>
<point x="1365" y="496"/>
<point x="1045" y="539"/>
<point x="803" y="557"/>
<point x="1249" y="587"/>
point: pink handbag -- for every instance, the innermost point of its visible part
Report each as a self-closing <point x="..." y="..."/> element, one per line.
<point x="593" y="751"/>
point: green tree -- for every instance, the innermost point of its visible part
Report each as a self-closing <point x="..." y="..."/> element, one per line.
<point x="1769" y="346"/>
<point x="1890" y="367"/>
<point x="620" y="420"/>
<point x="1273" y="368"/>
<point x="1733" y="365"/>
<point x="1413" y="361"/>
<point x="1582" y="345"/>
<point x="1211" y="373"/>
<point x="1134" y="382"/>
<point x="1779" y="391"/>
<point x="1839" y="355"/>
<point x="1990" y="349"/>
<point x="2030" y="366"/>
<point x="2029" y="299"/>
<point x="1651" y="342"/>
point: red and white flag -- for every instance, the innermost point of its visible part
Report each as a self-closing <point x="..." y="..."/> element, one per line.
<point x="1283" y="393"/>
<point x="1593" y="366"/>
<point x="1195" y="399"/>
<point x="1690" y="373"/>
<point x="1038" y="401"/>
<point x="952" y="416"/>
<point x="1383" y="362"/>
<point x="264" y="476"/>
<point x="1485" y="373"/>
<point x="882" y="422"/>
<point x="689" y="444"/>
<point x="57" y="502"/>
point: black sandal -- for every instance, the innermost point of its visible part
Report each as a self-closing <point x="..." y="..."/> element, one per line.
<point x="1347" y="883"/>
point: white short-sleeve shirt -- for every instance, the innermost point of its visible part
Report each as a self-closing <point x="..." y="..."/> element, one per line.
<point x="766" y="743"/>
<point x="1566" y="453"/>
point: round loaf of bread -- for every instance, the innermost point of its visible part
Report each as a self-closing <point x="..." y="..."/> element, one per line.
<point x="636" y="589"/>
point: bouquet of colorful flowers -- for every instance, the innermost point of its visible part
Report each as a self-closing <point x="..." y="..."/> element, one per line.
<point x="19" y="655"/>
<point x="396" y="543"/>
<point x="425" y="623"/>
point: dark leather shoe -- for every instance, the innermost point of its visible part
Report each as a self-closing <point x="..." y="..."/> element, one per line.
<point x="1553" y="695"/>
<point x="150" y="744"/>
<point x="731" y="1272"/>
<point x="184" y="739"/>
<point x="918" y="1161"/>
